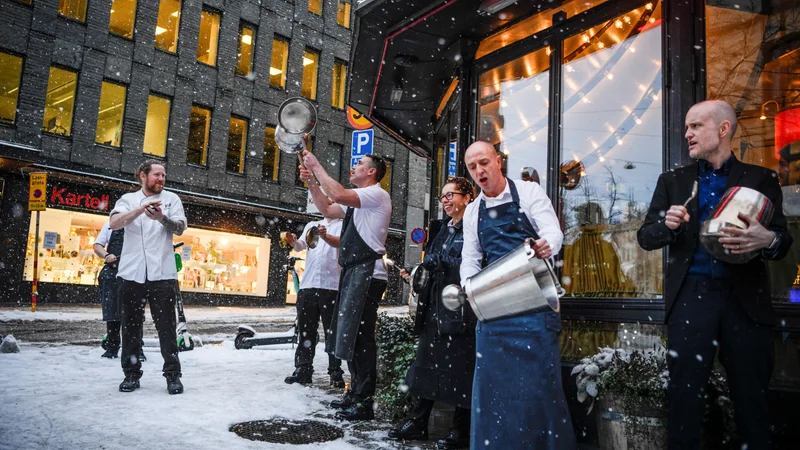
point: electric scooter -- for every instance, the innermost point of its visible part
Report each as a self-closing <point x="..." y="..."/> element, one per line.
<point x="247" y="337"/>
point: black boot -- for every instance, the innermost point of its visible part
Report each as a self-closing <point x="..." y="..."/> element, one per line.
<point x="174" y="385"/>
<point x="302" y="376"/>
<point x="337" y="380"/>
<point x="456" y="439"/>
<point x="361" y="410"/>
<point x="129" y="384"/>
<point x="142" y="358"/>
<point x="410" y="431"/>
<point x="345" y="402"/>
<point x="110" y="354"/>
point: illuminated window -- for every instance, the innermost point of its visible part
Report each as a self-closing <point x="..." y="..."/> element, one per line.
<point x="123" y="17"/>
<point x="280" y="57"/>
<point x="169" y="17"/>
<point x="199" y="128"/>
<point x="10" y="74"/>
<point x="386" y="181"/>
<point x="272" y="156"/>
<point x="74" y="9"/>
<point x="247" y="42"/>
<point x="157" y="125"/>
<point x="310" y="64"/>
<point x="237" y="137"/>
<point x="110" y="114"/>
<point x="339" y="78"/>
<point x="208" y="40"/>
<point x="343" y="14"/>
<point x="315" y="6"/>
<point x="59" y="101"/>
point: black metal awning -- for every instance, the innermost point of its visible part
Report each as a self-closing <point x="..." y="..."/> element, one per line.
<point x="406" y="53"/>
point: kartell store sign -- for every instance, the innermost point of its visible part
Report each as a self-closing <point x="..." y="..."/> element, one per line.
<point x="63" y="195"/>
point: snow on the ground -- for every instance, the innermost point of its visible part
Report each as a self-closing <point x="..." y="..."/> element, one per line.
<point x="67" y="397"/>
<point x="231" y="314"/>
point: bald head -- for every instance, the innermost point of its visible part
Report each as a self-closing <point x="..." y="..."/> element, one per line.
<point x="484" y="166"/>
<point x="720" y="111"/>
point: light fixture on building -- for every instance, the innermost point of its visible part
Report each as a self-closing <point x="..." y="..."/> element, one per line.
<point x="764" y="108"/>
<point x="489" y="7"/>
<point x="397" y="92"/>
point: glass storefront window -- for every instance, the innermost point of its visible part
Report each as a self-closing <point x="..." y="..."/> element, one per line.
<point x="213" y="261"/>
<point x="272" y="156"/>
<point x="74" y="9"/>
<point x="58" y="107"/>
<point x="513" y="114"/>
<point x="156" y="126"/>
<point x="10" y="75"/>
<point x="199" y="129"/>
<point x="237" y="139"/>
<point x="208" y="41"/>
<point x="343" y="14"/>
<point x="247" y="42"/>
<point x="280" y="58"/>
<point x="532" y="25"/>
<point x="753" y="63"/>
<point x="308" y="89"/>
<point x="110" y="114"/>
<point x="339" y="79"/>
<point x="123" y="17"/>
<point x="611" y="152"/>
<point x="169" y="18"/>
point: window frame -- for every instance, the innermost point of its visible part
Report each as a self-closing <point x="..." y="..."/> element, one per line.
<point x="169" y="124"/>
<point x="321" y="7"/>
<point x="277" y="167"/>
<point x="243" y="157"/>
<point x="177" y="34"/>
<point x="210" y="10"/>
<point x="74" y="96"/>
<point x="208" y="142"/>
<point x="71" y="19"/>
<point x="344" y="65"/>
<point x="135" y="18"/>
<point x="316" y="75"/>
<point x="124" y="107"/>
<point x="242" y="25"/>
<point x="349" y="20"/>
<point x="19" y="87"/>
<point x="285" y="78"/>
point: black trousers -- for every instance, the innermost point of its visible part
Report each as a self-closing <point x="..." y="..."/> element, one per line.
<point x="313" y="304"/>
<point x="706" y="317"/>
<point x="112" y="335"/>
<point x="364" y="365"/>
<point x="161" y="295"/>
<point x="422" y="413"/>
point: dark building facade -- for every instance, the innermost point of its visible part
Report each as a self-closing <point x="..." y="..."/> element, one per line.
<point x="91" y="88"/>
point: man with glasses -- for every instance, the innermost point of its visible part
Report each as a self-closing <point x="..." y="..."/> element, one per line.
<point x="366" y="211"/>
<point x="147" y="271"/>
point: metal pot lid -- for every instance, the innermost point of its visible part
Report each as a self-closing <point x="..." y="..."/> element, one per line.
<point x="312" y="237"/>
<point x="297" y="115"/>
<point x="419" y="278"/>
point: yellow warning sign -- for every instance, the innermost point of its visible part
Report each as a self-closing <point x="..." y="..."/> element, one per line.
<point x="37" y="196"/>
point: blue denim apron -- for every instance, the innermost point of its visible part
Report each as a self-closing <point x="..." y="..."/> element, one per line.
<point x="517" y="398"/>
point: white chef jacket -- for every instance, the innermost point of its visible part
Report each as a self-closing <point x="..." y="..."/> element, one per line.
<point x="372" y="222"/>
<point x="534" y="204"/>
<point x="322" y="262"/>
<point x="103" y="236"/>
<point x="147" y="253"/>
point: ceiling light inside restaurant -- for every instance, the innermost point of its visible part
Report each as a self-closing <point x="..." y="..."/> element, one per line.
<point x="247" y="39"/>
<point x="273" y="71"/>
<point x="307" y="61"/>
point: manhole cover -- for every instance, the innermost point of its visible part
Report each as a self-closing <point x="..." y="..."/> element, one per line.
<point x="282" y="431"/>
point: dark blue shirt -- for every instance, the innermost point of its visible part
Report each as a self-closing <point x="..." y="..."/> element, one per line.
<point x="710" y="188"/>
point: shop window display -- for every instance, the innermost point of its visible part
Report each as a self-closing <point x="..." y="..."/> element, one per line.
<point x="213" y="262"/>
<point x="753" y="63"/>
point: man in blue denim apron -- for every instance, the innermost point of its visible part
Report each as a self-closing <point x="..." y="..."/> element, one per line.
<point x="366" y="211"/>
<point x="517" y="398"/>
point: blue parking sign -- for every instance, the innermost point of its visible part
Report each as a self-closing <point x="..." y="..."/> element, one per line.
<point x="362" y="142"/>
<point x="451" y="163"/>
<point x="354" y="161"/>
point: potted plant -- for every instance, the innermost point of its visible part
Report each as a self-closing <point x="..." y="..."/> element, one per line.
<point x="630" y="387"/>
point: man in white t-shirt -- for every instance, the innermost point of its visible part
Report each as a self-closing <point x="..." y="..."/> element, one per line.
<point x="366" y="211"/>
<point x="315" y="300"/>
<point x="147" y="271"/>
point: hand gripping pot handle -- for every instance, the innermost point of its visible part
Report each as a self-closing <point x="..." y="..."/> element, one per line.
<point x="517" y="284"/>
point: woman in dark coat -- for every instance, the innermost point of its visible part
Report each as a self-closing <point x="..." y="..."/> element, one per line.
<point x="445" y="363"/>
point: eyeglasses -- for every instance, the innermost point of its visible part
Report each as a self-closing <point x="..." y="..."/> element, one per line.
<point x="449" y="196"/>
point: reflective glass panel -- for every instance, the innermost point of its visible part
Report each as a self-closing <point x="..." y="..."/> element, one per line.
<point x="110" y="114"/>
<point x="611" y="155"/>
